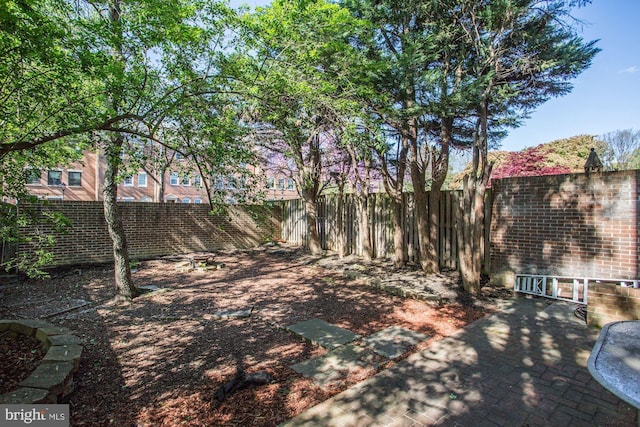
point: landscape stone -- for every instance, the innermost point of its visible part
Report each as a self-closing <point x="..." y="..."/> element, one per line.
<point x="5" y="324"/>
<point x="50" y="376"/>
<point x="352" y="274"/>
<point x="232" y="314"/>
<point x="324" y="334"/>
<point x="394" y="341"/>
<point x="29" y="327"/>
<point x="336" y="364"/>
<point x="63" y="340"/>
<point x="43" y="332"/>
<point x="26" y="395"/>
<point x="149" y="288"/>
<point x="64" y="353"/>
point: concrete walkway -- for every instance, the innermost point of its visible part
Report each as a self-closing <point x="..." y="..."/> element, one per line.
<point x="522" y="366"/>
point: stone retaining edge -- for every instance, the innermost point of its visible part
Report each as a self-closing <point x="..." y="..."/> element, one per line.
<point x="52" y="380"/>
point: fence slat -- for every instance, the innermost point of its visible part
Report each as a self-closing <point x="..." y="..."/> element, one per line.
<point x="381" y="226"/>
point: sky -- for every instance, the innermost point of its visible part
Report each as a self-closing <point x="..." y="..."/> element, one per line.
<point x="605" y="97"/>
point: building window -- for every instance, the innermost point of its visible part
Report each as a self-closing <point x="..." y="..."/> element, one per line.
<point x="219" y="184"/>
<point x="197" y="181"/>
<point x="128" y="181"/>
<point x="271" y="182"/>
<point x="127" y="199"/>
<point x="54" y="178"/>
<point x="173" y="178"/>
<point x="290" y="185"/>
<point x="232" y="183"/>
<point x="32" y="176"/>
<point x="186" y="200"/>
<point x="146" y="199"/>
<point x="185" y="181"/>
<point x="74" y="178"/>
<point x="179" y="156"/>
<point x="197" y="201"/>
<point x="142" y="179"/>
<point x="280" y="183"/>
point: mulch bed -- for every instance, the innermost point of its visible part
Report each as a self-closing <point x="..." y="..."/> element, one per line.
<point x="160" y="360"/>
<point x="22" y="354"/>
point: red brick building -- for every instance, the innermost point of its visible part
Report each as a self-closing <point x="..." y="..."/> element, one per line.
<point x="82" y="181"/>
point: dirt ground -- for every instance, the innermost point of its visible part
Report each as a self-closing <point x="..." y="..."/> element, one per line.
<point x="160" y="360"/>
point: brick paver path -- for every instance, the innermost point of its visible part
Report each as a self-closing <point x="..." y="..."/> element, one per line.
<point x="523" y="366"/>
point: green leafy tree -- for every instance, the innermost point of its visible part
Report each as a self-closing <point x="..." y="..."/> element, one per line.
<point x="116" y="70"/>
<point x="298" y="64"/>
<point x="413" y="59"/>
<point x="521" y="53"/>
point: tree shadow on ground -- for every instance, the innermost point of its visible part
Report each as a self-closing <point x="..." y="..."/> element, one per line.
<point x="160" y="360"/>
<point x="522" y="366"/>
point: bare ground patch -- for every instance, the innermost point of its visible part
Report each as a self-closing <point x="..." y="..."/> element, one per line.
<point x="159" y="360"/>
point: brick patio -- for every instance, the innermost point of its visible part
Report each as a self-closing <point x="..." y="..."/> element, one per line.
<point x="522" y="366"/>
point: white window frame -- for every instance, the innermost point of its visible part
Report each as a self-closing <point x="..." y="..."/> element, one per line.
<point x="188" y="181"/>
<point x="197" y="180"/>
<point x="146" y="199"/>
<point x="197" y="201"/>
<point x="128" y="181"/>
<point x="185" y="200"/>
<point x="142" y="183"/>
<point x="54" y="170"/>
<point x="291" y="185"/>
<point x="174" y="178"/>
<point x="127" y="199"/>
<point x="69" y="172"/>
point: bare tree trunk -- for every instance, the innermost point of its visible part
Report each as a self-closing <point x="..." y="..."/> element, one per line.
<point x="312" y="227"/>
<point x="122" y="271"/>
<point x="470" y="230"/>
<point x="161" y="188"/>
<point x="364" y="226"/>
<point x="399" y="250"/>
<point x="340" y="237"/>
<point x="428" y="264"/>
<point x="124" y="284"/>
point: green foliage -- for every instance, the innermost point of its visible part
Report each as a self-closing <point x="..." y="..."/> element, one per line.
<point x="561" y="156"/>
<point x="39" y="241"/>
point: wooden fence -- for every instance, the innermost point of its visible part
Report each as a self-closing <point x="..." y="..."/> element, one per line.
<point x="294" y="229"/>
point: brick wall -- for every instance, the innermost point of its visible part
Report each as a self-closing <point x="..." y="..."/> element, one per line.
<point x="156" y="229"/>
<point x="610" y="303"/>
<point x="566" y="225"/>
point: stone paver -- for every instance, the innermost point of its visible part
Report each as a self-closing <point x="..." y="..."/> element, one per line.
<point x="525" y="364"/>
<point x="49" y="376"/>
<point x="336" y="364"/>
<point x="232" y="314"/>
<point x="324" y="334"/>
<point x="394" y="341"/>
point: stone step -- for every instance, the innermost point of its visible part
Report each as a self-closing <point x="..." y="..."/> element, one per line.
<point x="341" y="360"/>
<point x="337" y="364"/>
<point x="319" y="332"/>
